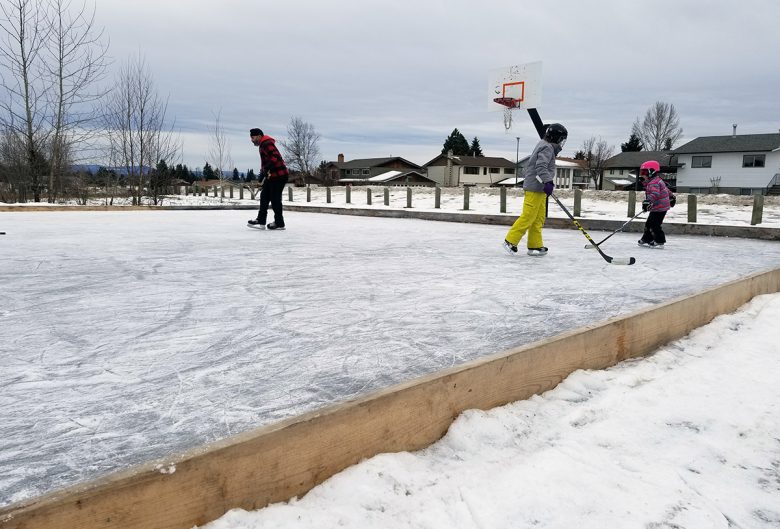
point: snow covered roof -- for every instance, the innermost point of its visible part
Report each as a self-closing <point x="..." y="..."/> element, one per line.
<point x="384" y="177"/>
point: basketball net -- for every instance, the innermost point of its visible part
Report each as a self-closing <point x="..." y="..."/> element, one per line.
<point x="510" y="104"/>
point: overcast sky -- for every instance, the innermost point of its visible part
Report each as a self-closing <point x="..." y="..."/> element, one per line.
<point x="394" y="78"/>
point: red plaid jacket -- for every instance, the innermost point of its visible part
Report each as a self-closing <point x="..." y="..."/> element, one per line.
<point x="271" y="161"/>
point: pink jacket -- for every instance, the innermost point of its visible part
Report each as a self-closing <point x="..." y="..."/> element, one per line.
<point x="657" y="193"/>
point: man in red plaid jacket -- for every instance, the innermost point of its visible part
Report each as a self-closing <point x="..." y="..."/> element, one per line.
<point x="273" y="176"/>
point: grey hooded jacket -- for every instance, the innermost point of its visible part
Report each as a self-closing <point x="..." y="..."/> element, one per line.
<point x="541" y="164"/>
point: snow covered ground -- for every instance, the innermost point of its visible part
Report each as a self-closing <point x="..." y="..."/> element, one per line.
<point x="127" y="336"/>
<point x="711" y="209"/>
<point x="686" y="438"/>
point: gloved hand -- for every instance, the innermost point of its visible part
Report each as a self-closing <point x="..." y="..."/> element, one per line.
<point x="548" y="188"/>
<point x="672" y="200"/>
<point x="646" y="204"/>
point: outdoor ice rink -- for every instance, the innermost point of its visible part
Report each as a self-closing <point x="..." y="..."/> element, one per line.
<point x="128" y="336"/>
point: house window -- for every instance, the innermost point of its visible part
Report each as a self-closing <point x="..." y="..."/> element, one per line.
<point x="621" y="172"/>
<point x="495" y="170"/>
<point x="484" y="170"/>
<point x="753" y="160"/>
<point x="471" y="170"/>
<point x="611" y="171"/>
<point x="698" y="162"/>
<point x="509" y="170"/>
<point x="365" y="171"/>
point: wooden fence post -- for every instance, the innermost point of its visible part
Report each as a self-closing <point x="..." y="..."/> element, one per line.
<point x="289" y="194"/>
<point x="241" y="192"/>
<point x="327" y="195"/>
<point x="408" y="197"/>
<point x="465" y="198"/>
<point x="503" y="199"/>
<point x="758" y="210"/>
<point x="231" y="191"/>
<point x="631" y="203"/>
<point x="308" y="193"/>
<point x="387" y="196"/>
<point x="578" y="202"/>
<point x="349" y="194"/>
<point x="691" y="208"/>
<point x="437" y="198"/>
<point x="368" y="196"/>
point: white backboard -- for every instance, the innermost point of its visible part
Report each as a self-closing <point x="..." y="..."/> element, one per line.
<point x="521" y="81"/>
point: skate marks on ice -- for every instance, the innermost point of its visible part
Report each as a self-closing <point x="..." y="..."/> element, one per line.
<point x="187" y="330"/>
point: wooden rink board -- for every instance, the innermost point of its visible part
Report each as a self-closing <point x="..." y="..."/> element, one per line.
<point x="287" y="459"/>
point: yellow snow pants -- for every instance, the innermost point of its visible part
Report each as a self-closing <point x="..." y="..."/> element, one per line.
<point x="530" y="220"/>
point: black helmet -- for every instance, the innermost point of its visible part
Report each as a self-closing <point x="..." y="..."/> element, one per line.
<point x="556" y="133"/>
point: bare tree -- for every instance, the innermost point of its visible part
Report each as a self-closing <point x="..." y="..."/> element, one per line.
<point x="76" y="62"/>
<point x="24" y="105"/>
<point x="135" y="120"/>
<point x="597" y="152"/>
<point x="660" y="127"/>
<point x="219" y="152"/>
<point x="301" y="147"/>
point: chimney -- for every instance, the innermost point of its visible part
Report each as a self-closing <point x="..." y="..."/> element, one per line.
<point x="341" y="158"/>
<point x="734" y="134"/>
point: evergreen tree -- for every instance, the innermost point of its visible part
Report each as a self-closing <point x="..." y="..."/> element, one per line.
<point x="457" y="142"/>
<point x="475" y="149"/>
<point x="633" y="144"/>
<point x="208" y="172"/>
<point x="235" y="174"/>
<point x="250" y="175"/>
<point x="579" y="155"/>
<point x="668" y="144"/>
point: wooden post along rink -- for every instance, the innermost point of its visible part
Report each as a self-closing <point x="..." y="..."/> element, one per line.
<point x="287" y="459"/>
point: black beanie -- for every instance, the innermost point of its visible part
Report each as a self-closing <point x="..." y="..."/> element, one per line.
<point x="255" y="132"/>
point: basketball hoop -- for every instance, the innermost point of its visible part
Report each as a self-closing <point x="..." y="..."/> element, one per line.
<point x="510" y="104"/>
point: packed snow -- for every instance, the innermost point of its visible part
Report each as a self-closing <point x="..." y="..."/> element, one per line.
<point x="129" y="336"/>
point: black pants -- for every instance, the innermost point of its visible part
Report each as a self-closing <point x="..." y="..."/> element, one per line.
<point x="653" y="230"/>
<point x="272" y="192"/>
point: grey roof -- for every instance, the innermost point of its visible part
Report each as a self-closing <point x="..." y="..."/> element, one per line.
<point x="362" y="163"/>
<point x="739" y="143"/>
<point x="475" y="161"/>
<point x="634" y="159"/>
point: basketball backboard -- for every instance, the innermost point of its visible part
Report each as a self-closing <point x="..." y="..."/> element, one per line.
<point x="521" y="82"/>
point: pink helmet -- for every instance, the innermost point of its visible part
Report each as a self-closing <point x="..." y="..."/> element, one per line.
<point x="651" y="166"/>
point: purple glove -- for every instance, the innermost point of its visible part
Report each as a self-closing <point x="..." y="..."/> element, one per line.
<point x="548" y="188"/>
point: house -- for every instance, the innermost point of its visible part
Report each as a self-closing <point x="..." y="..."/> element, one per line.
<point x="620" y="171"/>
<point x="358" y="171"/>
<point x="397" y="178"/>
<point x="469" y="170"/>
<point x="746" y="164"/>
<point x="569" y="173"/>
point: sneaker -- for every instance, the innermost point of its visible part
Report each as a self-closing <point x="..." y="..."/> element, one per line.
<point x="538" y="252"/>
<point x="509" y="247"/>
<point x="273" y="226"/>
<point x="254" y="223"/>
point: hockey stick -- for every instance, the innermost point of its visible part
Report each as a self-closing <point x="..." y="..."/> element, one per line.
<point x="607" y="258"/>
<point x="589" y="246"/>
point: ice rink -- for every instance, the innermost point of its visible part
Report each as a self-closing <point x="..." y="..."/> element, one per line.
<point x="128" y="336"/>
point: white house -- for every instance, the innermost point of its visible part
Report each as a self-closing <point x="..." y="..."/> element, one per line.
<point x="747" y="164"/>
<point x="569" y="174"/>
<point x="469" y="170"/>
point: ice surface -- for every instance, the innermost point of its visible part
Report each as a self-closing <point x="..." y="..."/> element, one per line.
<point x="127" y="336"/>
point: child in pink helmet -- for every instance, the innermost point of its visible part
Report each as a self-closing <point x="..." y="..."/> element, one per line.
<point x="656" y="201"/>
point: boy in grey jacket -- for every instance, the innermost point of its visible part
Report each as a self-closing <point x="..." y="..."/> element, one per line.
<point x="538" y="185"/>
